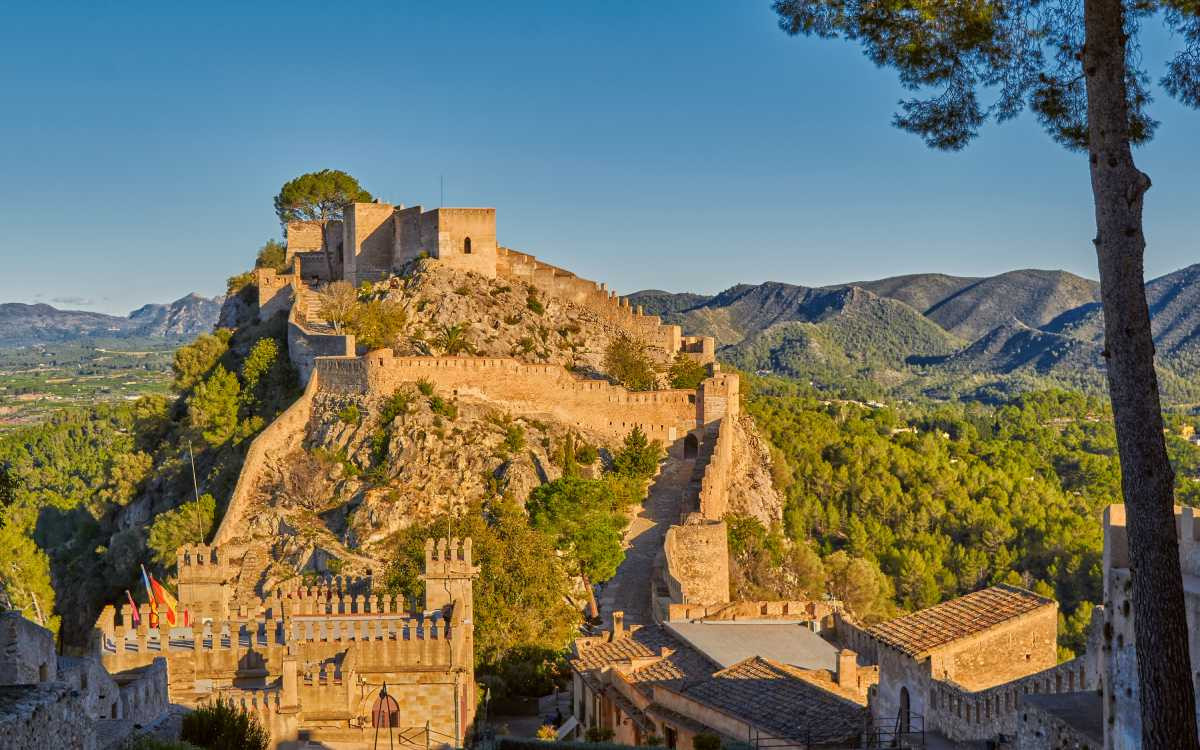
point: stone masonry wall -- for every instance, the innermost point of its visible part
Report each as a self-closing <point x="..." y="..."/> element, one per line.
<point x="530" y="389"/>
<point x="520" y="267"/>
<point x="696" y="557"/>
<point x="26" y="651"/>
<point x="39" y="717"/>
<point x="281" y="436"/>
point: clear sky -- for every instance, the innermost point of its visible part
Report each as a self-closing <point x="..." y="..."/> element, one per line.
<point x="677" y="144"/>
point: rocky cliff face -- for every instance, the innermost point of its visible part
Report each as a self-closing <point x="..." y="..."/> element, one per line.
<point x="751" y="490"/>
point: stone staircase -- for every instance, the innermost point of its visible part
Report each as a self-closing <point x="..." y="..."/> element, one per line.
<point x="245" y="593"/>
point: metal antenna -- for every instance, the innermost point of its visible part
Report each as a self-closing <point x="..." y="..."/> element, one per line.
<point x="196" y="493"/>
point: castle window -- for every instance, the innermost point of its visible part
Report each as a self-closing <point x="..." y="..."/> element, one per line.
<point x="466" y="246"/>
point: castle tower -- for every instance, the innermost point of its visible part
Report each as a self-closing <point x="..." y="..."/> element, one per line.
<point x="449" y="570"/>
<point x="203" y="573"/>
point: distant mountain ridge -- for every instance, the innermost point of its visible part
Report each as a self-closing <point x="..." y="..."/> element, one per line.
<point x="1021" y="323"/>
<point x="22" y="324"/>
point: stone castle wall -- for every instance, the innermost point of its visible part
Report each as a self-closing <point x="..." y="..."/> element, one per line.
<point x="530" y="389"/>
<point x="696" y="562"/>
<point x="594" y="296"/>
<point x="280" y="437"/>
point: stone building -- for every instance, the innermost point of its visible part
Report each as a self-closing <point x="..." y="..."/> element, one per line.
<point x="311" y="662"/>
<point x="754" y="679"/>
<point x="52" y="701"/>
<point x="960" y="669"/>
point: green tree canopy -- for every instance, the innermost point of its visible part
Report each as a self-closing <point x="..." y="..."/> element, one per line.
<point x="686" y="372"/>
<point x="637" y="457"/>
<point x="318" y="196"/>
<point x="582" y="516"/>
<point x="190" y="523"/>
<point x="272" y="254"/>
<point x="627" y="361"/>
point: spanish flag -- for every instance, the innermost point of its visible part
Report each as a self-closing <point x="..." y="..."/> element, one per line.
<point x="169" y="605"/>
<point x="150" y="595"/>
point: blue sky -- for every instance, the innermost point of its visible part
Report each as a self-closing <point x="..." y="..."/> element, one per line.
<point x="685" y="145"/>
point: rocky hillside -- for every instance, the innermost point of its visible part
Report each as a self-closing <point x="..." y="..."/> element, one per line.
<point x="368" y="467"/>
<point x="22" y="324"/>
<point x="923" y="331"/>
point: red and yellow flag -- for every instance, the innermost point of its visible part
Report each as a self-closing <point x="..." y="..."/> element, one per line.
<point x="168" y="603"/>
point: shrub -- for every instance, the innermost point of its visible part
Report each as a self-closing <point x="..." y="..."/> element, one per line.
<point x="534" y="304"/>
<point x="600" y="734"/>
<point x="637" y="457"/>
<point x="350" y="415"/>
<point x="586" y="454"/>
<point x="189" y="523"/>
<point x="687" y="373"/>
<point x="627" y="362"/>
<point x="224" y="726"/>
<point x="443" y="407"/>
<point x="339" y="302"/>
<point x="514" y="438"/>
<point x="377" y="323"/>
<point x="237" y="283"/>
<point x="273" y="254"/>
<point x="425" y="387"/>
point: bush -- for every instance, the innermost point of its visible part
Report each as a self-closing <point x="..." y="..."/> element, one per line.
<point x="687" y="373"/>
<point x="627" y="362"/>
<point x="377" y="323"/>
<point x="224" y="726"/>
<point x="190" y="523"/>
<point x="601" y="734"/>
<point x="237" y="283"/>
<point x="534" y="304"/>
<point x="442" y="407"/>
<point x="514" y="438"/>
<point x="425" y="387"/>
<point x="638" y="457"/>
<point x="350" y="415"/>
<point x="150" y="742"/>
<point x="273" y="254"/>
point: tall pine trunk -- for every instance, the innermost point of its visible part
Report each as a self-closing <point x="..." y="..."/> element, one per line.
<point x="1147" y="480"/>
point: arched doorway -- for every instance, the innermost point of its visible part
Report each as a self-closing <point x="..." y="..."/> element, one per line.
<point x="466" y="246"/>
<point x="691" y="446"/>
<point x="385" y="713"/>
<point x="902" y="722"/>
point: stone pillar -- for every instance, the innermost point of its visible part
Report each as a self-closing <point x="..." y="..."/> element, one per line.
<point x="847" y="669"/>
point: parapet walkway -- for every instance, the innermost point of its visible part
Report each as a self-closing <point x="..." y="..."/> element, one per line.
<point x="629" y="590"/>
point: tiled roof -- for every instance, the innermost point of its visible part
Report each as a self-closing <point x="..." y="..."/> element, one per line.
<point x="945" y="623"/>
<point x="780" y="701"/>
<point x="640" y="643"/>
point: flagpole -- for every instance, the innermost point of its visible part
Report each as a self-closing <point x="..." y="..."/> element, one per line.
<point x="196" y="494"/>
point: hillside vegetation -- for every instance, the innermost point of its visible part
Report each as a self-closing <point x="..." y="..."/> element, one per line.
<point x="940" y="336"/>
<point x="945" y="499"/>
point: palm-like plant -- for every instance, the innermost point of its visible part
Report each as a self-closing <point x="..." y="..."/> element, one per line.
<point x="453" y="339"/>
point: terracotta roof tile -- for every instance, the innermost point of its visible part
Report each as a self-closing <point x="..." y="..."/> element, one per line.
<point x="945" y="623"/>
<point x="642" y="642"/>
<point x="780" y="701"/>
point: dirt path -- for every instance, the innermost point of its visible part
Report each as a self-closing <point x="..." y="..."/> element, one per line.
<point x="629" y="590"/>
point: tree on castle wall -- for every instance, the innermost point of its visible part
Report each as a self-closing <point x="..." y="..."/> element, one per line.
<point x="273" y="255"/>
<point x="627" y="361"/>
<point x="1077" y="66"/>
<point x="318" y="196"/>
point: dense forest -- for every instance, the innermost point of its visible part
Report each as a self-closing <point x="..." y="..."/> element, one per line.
<point x="945" y="498"/>
<point x="92" y="493"/>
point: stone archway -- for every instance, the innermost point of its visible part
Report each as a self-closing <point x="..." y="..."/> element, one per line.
<point x="691" y="446"/>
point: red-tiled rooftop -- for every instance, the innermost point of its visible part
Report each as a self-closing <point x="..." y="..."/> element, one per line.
<point x="945" y="623"/>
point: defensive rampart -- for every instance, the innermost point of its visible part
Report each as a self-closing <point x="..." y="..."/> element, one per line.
<point x="696" y="562"/>
<point x="520" y="387"/>
<point x="307" y="340"/>
<point x="594" y="296"/>
<point x="966" y="716"/>
<point x="280" y="437"/>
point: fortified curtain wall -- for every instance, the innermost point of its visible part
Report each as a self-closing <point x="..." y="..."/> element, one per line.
<point x="594" y="296"/>
<point x="280" y="437"/>
<point x="531" y="389"/>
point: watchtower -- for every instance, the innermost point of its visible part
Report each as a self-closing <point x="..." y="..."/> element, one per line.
<point x="449" y="570"/>
<point x="203" y="573"/>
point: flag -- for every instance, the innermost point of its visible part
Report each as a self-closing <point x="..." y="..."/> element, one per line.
<point x="150" y="596"/>
<point x="137" y="619"/>
<point x="170" y="606"/>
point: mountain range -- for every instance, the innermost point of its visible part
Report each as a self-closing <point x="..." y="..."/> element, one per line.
<point x="938" y="334"/>
<point x="22" y="324"/>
